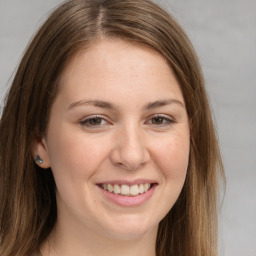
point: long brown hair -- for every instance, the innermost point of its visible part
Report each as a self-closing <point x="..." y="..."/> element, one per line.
<point x="27" y="193"/>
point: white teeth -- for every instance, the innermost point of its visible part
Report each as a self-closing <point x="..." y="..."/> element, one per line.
<point x="141" y="188"/>
<point x="117" y="189"/>
<point x="146" y="186"/>
<point x="134" y="190"/>
<point x="110" y="188"/>
<point x="127" y="190"/>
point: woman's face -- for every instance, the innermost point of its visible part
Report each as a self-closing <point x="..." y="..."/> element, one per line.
<point x="117" y="140"/>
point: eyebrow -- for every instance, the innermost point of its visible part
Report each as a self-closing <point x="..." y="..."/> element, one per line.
<point x="96" y="103"/>
<point x="108" y="105"/>
<point x="161" y="103"/>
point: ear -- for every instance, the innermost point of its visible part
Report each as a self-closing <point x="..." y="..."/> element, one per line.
<point x="40" y="150"/>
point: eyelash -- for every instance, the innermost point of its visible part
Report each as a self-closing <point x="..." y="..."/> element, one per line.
<point x="166" y="120"/>
<point x="87" y="122"/>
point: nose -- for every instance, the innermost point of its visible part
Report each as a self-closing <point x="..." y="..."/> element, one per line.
<point x="130" y="151"/>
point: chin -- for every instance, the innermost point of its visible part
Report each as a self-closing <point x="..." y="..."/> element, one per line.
<point x="131" y="230"/>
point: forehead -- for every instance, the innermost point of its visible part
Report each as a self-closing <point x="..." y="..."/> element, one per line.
<point x="113" y="66"/>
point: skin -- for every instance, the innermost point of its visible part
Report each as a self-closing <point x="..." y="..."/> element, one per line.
<point x="134" y="139"/>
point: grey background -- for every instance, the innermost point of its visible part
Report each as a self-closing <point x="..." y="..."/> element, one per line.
<point x="224" y="35"/>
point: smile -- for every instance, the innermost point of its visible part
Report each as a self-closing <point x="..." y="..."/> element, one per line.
<point x="125" y="189"/>
<point x="127" y="193"/>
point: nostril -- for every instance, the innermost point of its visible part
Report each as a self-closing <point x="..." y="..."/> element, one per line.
<point x="130" y="154"/>
<point x="129" y="166"/>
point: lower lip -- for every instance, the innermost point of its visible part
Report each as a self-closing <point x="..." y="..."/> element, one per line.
<point x="129" y="200"/>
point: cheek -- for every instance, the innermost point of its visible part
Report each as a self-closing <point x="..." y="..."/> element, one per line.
<point x="74" y="161"/>
<point x="172" y="157"/>
<point x="74" y="155"/>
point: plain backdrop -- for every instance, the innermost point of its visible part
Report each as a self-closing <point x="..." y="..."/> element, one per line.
<point x="224" y="35"/>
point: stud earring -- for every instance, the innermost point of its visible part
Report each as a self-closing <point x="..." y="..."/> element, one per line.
<point x="39" y="160"/>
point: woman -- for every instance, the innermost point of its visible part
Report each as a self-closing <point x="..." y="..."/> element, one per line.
<point x="107" y="141"/>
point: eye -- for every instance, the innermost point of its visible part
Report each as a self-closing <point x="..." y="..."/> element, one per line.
<point x="160" y="120"/>
<point x="94" y="121"/>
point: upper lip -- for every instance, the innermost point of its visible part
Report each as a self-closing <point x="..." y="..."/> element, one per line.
<point x="127" y="182"/>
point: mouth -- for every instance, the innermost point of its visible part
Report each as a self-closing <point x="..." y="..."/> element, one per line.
<point x="127" y="190"/>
